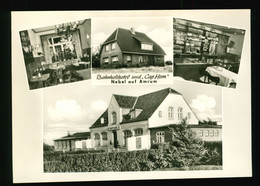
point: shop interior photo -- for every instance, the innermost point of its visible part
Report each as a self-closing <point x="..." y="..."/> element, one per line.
<point x="57" y="54"/>
<point x="207" y="53"/>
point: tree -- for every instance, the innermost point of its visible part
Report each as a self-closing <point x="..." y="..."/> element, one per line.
<point x="96" y="57"/>
<point x="186" y="148"/>
<point x="47" y="147"/>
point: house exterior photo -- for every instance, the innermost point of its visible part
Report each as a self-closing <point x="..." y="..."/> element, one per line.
<point x="130" y="48"/>
<point x="134" y="123"/>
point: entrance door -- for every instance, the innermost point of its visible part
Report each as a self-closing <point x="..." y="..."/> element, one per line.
<point x="151" y="60"/>
<point x="115" y="138"/>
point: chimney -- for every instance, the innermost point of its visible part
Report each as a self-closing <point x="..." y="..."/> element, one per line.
<point x="132" y="30"/>
<point x="69" y="134"/>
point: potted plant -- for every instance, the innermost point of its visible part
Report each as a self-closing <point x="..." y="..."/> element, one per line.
<point x="230" y="45"/>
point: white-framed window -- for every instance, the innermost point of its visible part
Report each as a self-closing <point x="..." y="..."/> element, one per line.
<point x="206" y="133"/>
<point x="97" y="139"/>
<point x="106" y="60"/>
<point x="180" y="113"/>
<point x="128" y="58"/>
<point x="113" y="46"/>
<point x="132" y="114"/>
<point x="96" y="136"/>
<point x="200" y="133"/>
<point x="104" y="135"/>
<point x="114" y="59"/>
<point x="114" y="117"/>
<point x="211" y="133"/>
<point x="127" y="134"/>
<point x="102" y="120"/>
<point x="160" y="114"/>
<point x="145" y="46"/>
<point x="160" y="137"/>
<point x="170" y="112"/>
<point x="140" y="59"/>
<point x="107" y="47"/>
<point x="138" y="132"/>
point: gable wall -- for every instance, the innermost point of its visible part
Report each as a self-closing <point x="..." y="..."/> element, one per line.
<point x="109" y="54"/>
<point x="174" y="101"/>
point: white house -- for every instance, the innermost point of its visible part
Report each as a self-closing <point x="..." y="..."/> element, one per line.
<point x="139" y="122"/>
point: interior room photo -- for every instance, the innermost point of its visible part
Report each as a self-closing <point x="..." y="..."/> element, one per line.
<point x="57" y="54"/>
<point x="207" y="53"/>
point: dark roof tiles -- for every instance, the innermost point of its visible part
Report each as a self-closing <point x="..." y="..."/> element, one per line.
<point x="125" y="101"/>
<point x="131" y="43"/>
<point x="98" y="121"/>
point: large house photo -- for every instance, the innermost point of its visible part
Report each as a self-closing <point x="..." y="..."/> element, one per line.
<point x="57" y="54"/>
<point x="139" y="122"/>
<point x="127" y="47"/>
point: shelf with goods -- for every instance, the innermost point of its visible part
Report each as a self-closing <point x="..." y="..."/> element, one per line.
<point x="194" y="43"/>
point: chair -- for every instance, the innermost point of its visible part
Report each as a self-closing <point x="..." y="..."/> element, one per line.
<point x="209" y="78"/>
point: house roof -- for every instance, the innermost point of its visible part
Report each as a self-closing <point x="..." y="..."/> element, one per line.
<point x="125" y="101"/>
<point x="131" y="43"/>
<point x="78" y="135"/>
<point x="148" y="103"/>
<point x="98" y="121"/>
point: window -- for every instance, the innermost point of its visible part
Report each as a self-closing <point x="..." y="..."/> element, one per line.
<point x="160" y="137"/>
<point x="200" y="133"/>
<point x="113" y="117"/>
<point x="114" y="59"/>
<point x="96" y="136"/>
<point x="128" y="58"/>
<point x="211" y="133"/>
<point x="97" y="139"/>
<point x="107" y="47"/>
<point x="104" y="135"/>
<point x="113" y="46"/>
<point x="140" y="59"/>
<point x="132" y="114"/>
<point x="102" y="120"/>
<point x="138" y="132"/>
<point x="127" y="134"/>
<point x="206" y="133"/>
<point x="146" y="46"/>
<point x="216" y="133"/>
<point x="160" y="113"/>
<point x="61" y="48"/>
<point x="180" y="113"/>
<point x="170" y="113"/>
<point x="105" y="59"/>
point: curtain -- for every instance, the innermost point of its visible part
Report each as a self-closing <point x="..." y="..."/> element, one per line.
<point x="77" y="45"/>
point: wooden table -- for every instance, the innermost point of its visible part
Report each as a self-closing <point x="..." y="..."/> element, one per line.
<point x="40" y="81"/>
<point x="226" y="76"/>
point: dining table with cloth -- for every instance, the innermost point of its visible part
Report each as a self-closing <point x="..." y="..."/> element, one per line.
<point x="226" y="77"/>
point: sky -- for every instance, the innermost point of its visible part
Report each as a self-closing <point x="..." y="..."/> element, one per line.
<point x="158" y="29"/>
<point x="75" y="107"/>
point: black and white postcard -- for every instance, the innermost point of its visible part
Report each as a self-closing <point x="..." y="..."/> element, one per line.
<point x="131" y="95"/>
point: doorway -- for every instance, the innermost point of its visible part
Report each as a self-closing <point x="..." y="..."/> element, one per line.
<point x="115" y="138"/>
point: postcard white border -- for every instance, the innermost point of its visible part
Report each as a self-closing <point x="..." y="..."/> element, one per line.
<point x="27" y="130"/>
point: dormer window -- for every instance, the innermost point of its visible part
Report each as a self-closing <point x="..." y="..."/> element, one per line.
<point x="146" y="46"/>
<point x="132" y="114"/>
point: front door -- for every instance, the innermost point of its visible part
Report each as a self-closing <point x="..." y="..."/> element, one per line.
<point x="115" y="138"/>
<point x="151" y="60"/>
